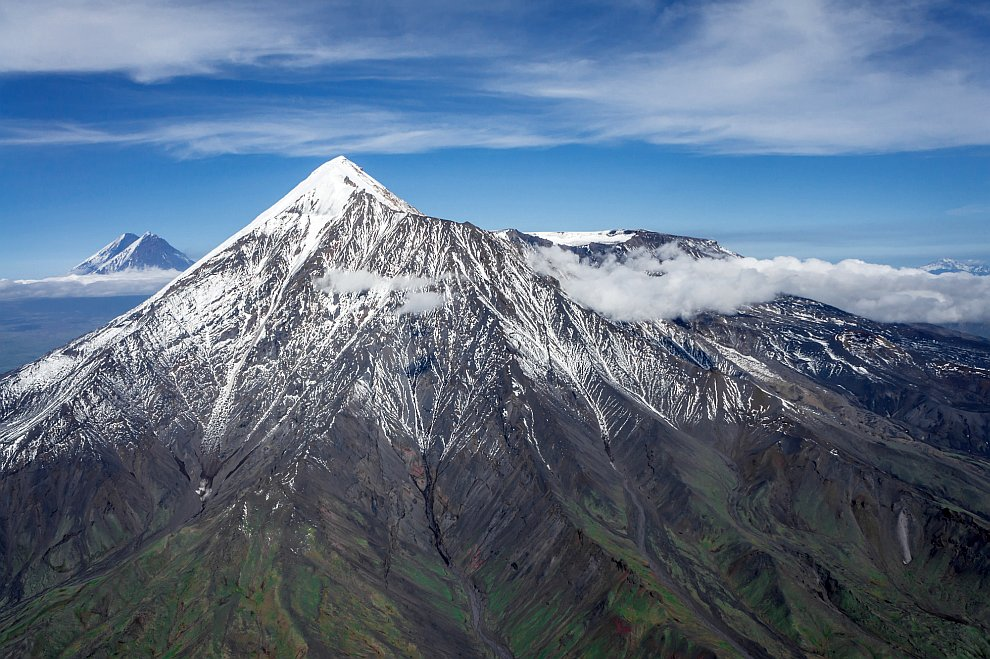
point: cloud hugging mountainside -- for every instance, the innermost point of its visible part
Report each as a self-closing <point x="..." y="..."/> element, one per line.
<point x="352" y="428"/>
<point x="631" y="288"/>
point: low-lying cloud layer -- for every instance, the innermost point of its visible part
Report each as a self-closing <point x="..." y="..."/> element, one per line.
<point x="644" y="288"/>
<point x="142" y="282"/>
<point x="417" y="298"/>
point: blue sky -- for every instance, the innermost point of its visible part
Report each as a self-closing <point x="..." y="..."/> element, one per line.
<point x="802" y="127"/>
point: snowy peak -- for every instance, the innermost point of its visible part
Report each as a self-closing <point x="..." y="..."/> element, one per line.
<point x="943" y="266"/>
<point x="341" y="171"/>
<point x="298" y="222"/>
<point x="130" y="252"/>
<point x="95" y="261"/>
<point x="327" y="190"/>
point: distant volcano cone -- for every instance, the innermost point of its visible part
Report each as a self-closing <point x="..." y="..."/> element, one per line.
<point x="130" y="252"/>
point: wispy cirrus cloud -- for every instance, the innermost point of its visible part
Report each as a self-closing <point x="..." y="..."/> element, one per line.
<point x="733" y="76"/>
<point x="294" y="132"/>
<point x="783" y="76"/>
<point x="152" y="40"/>
<point x="969" y="210"/>
<point x="147" y="40"/>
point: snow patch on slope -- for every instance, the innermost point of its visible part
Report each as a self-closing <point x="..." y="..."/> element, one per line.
<point x="585" y="238"/>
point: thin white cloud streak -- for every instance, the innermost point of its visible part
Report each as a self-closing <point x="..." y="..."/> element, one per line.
<point x="139" y="282"/>
<point x="969" y="210"/>
<point x="315" y="132"/>
<point x="643" y="288"/>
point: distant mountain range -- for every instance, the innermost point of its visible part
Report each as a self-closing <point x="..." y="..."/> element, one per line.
<point x="131" y="252"/>
<point x="973" y="267"/>
<point x="952" y="265"/>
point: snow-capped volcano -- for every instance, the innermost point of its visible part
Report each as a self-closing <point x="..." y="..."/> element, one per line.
<point x="130" y="252"/>
<point x="355" y="429"/>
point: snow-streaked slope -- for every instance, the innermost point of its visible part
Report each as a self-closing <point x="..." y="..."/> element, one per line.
<point x="210" y="324"/>
<point x="102" y="257"/>
<point x="249" y="316"/>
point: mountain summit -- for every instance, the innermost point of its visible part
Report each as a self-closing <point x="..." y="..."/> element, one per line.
<point x="354" y="429"/>
<point x="130" y="252"/>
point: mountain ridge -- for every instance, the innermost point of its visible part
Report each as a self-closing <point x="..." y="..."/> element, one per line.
<point x="294" y="464"/>
<point x="971" y="266"/>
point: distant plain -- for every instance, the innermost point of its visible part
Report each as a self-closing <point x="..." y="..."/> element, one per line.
<point x="30" y="328"/>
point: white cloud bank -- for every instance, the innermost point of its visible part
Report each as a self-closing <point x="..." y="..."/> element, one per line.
<point x="643" y="288"/>
<point x="138" y="282"/>
<point x="417" y="298"/>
